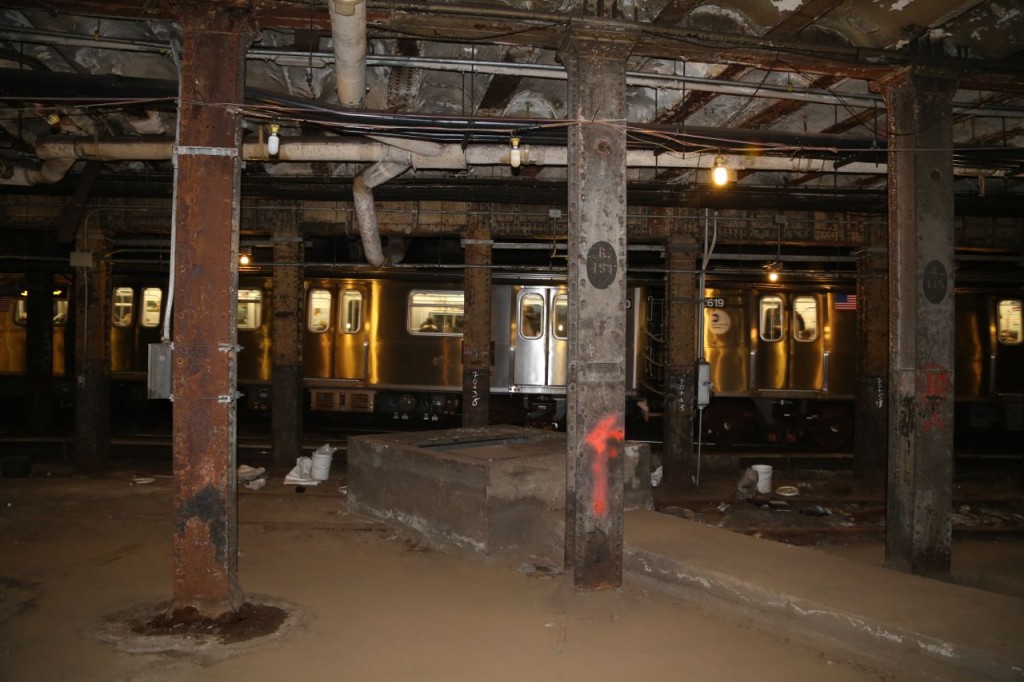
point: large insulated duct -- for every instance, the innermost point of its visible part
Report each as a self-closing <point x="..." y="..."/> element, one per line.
<point x="52" y="170"/>
<point x="366" y="213"/>
<point x="348" y="34"/>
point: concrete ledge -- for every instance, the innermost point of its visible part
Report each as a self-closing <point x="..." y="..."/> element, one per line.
<point x="871" y="610"/>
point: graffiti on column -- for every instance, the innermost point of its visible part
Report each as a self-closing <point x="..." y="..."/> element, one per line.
<point x="933" y="384"/>
<point x="605" y="440"/>
<point x="475" y="384"/>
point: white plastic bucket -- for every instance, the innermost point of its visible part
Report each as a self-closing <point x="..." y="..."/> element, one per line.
<point x="764" y="477"/>
<point x="321" y="466"/>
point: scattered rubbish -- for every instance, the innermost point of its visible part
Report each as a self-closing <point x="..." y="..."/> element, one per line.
<point x="549" y="625"/>
<point x="724" y="507"/>
<point x="656" y="477"/>
<point x="680" y="512"/>
<point x="778" y="505"/>
<point x="804" y="486"/>
<point x="816" y="510"/>
<point x="343" y="489"/>
<point x="321" y="459"/>
<point x="256" y="484"/>
<point x="302" y="474"/>
<point x="248" y="473"/>
<point x="142" y="480"/>
<point x="300" y="488"/>
<point x="787" y="491"/>
<point x="540" y="567"/>
<point x="746" y="487"/>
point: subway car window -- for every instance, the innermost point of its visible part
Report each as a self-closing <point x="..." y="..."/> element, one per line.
<point x="531" y="316"/>
<point x="249" y="309"/>
<point x="1009" y="322"/>
<point x="151" y="300"/>
<point x="560" y="317"/>
<point x="122" y="305"/>
<point x="436" y="313"/>
<point x="351" y="311"/>
<point x="319" y="317"/>
<point x="805" y="318"/>
<point x="21" y="309"/>
<point x="771" y="318"/>
<point x="60" y="312"/>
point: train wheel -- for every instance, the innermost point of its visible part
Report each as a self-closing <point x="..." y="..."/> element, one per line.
<point x="832" y="427"/>
<point x="726" y="424"/>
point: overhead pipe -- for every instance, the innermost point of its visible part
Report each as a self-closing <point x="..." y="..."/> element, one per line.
<point x="433" y="156"/>
<point x="366" y="213"/>
<point x="52" y="170"/>
<point x="348" y="35"/>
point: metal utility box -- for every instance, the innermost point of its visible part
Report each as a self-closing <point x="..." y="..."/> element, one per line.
<point x="159" y="378"/>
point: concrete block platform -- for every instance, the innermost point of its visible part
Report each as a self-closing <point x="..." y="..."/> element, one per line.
<point x="490" y="490"/>
<point x="495" y="489"/>
<point x="954" y="632"/>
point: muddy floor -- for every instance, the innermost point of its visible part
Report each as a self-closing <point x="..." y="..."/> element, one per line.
<point x="77" y="555"/>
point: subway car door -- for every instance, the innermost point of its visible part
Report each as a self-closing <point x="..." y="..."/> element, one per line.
<point x="352" y="337"/>
<point x="806" y="343"/>
<point x="532" y="361"/>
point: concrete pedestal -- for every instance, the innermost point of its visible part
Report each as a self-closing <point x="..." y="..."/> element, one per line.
<point x="495" y="490"/>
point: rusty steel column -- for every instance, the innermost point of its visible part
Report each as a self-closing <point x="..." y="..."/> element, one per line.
<point x="92" y="364"/>
<point x="204" y="376"/>
<point x="871" y="436"/>
<point x="476" y="343"/>
<point x="683" y="305"/>
<point x="921" y="241"/>
<point x="595" y="61"/>
<point x="286" y="346"/>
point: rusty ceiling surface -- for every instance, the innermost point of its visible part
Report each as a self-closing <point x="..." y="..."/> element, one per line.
<point x="782" y="90"/>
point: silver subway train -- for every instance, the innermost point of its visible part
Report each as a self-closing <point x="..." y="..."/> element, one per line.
<point x="781" y="357"/>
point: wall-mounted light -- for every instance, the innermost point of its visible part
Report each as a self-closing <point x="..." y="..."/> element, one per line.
<point x="719" y="173"/>
<point x="244" y="258"/>
<point x="515" y="155"/>
<point x="274" y="142"/>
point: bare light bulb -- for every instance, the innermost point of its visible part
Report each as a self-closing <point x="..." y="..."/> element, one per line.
<point x="244" y="259"/>
<point x="719" y="174"/>
<point x="273" y="142"/>
<point x="773" y="276"/>
<point x="515" y="156"/>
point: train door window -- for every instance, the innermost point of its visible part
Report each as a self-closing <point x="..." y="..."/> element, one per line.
<point x="319" y="318"/>
<point x="21" y="308"/>
<point x="249" y="309"/>
<point x="1009" y="322"/>
<point x="805" y="318"/>
<point x="771" y="318"/>
<point x="351" y="311"/>
<point x="151" y="300"/>
<point x="122" y="305"/>
<point x="60" y="309"/>
<point x="436" y="313"/>
<point x="560" y="317"/>
<point x="531" y="316"/>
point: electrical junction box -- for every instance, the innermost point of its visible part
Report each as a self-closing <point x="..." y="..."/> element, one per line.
<point x="159" y="379"/>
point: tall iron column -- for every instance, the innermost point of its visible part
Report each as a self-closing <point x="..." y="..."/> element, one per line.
<point x="204" y="375"/>
<point x="595" y="61"/>
<point x="921" y="247"/>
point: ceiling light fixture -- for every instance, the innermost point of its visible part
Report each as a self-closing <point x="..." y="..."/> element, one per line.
<point x="274" y="142"/>
<point x="774" y="270"/>
<point x="244" y="258"/>
<point x="719" y="174"/>
<point x="515" y="155"/>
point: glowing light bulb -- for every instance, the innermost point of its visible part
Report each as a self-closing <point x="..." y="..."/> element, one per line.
<point x="719" y="174"/>
<point x="773" y="276"/>
<point x="515" y="156"/>
<point x="273" y="142"/>
<point x="244" y="259"/>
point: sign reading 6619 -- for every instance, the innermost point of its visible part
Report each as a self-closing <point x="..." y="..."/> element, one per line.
<point x="711" y="302"/>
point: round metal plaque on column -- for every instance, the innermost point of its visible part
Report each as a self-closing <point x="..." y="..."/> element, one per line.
<point x="935" y="282"/>
<point x="601" y="265"/>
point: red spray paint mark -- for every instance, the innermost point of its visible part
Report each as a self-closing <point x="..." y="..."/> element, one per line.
<point x="605" y="440"/>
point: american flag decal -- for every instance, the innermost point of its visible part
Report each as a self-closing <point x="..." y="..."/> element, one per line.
<point x="846" y="302"/>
